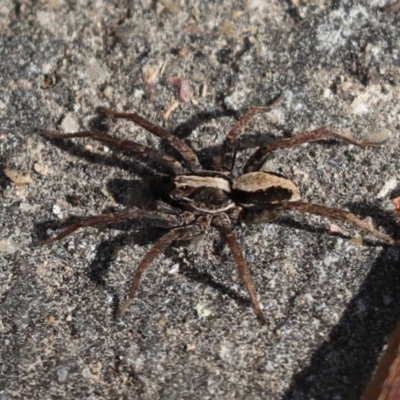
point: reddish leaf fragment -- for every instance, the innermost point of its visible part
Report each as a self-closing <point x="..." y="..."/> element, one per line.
<point x="392" y="7"/>
<point x="396" y="202"/>
<point x="385" y="384"/>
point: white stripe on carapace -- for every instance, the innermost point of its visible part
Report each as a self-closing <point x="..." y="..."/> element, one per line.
<point x="195" y="181"/>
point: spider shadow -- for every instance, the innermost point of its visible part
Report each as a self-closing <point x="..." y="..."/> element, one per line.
<point x="193" y="274"/>
<point x="342" y="366"/>
<point x="131" y="165"/>
<point x="108" y="249"/>
<point x="136" y="234"/>
<point x="107" y="252"/>
<point x="130" y="193"/>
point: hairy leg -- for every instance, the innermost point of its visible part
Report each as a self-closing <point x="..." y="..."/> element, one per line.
<point x="144" y="152"/>
<point x="337" y="214"/>
<point x="181" y="233"/>
<point x="161" y="220"/>
<point x="223" y="224"/>
<point x="255" y="162"/>
<point x="228" y="149"/>
<point x="178" y="145"/>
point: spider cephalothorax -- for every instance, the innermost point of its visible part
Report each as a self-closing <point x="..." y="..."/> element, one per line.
<point x="198" y="199"/>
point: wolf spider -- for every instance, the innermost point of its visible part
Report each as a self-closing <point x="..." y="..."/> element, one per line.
<point x="198" y="199"/>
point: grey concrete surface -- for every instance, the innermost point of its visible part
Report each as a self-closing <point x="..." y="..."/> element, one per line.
<point x="330" y="301"/>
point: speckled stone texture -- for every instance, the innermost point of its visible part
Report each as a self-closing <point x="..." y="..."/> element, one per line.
<point x="330" y="299"/>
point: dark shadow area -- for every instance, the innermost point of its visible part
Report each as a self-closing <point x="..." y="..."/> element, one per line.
<point x="293" y="12"/>
<point x="342" y="366"/>
<point x="185" y="129"/>
<point x="108" y="250"/>
<point x="395" y="192"/>
<point x="132" y="193"/>
<point x="203" y="277"/>
<point x="4" y="181"/>
<point x="194" y="275"/>
<point x="41" y="228"/>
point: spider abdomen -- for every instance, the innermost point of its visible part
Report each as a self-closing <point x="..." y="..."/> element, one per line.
<point x="257" y="190"/>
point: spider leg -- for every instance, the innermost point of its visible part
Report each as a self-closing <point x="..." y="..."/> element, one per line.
<point x="255" y="161"/>
<point x="161" y="220"/>
<point x="334" y="213"/>
<point x="187" y="154"/>
<point x="145" y="153"/>
<point x="223" y="224"/>
<point x="181" y="233"/>
<point x="228" y="149"/>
